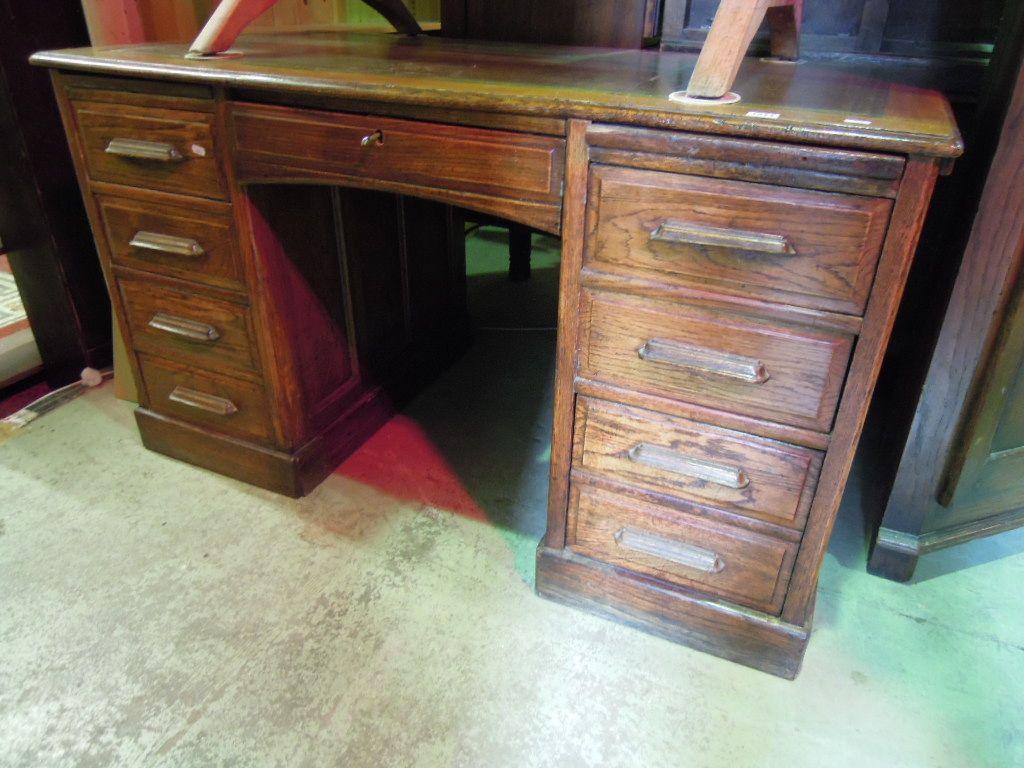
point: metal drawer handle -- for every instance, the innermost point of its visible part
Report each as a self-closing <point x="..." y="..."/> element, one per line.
<point x="182" y="326"/>
<point x="178" y="246"/>
<point x="201" y="401"/>
<point x="660" y="457"/>
<point x="144" y="150"/>
<point x="696" y="358"/>
<point x="697" y="558"/>
<point x="375" y="139"/>
<point x="741" y="239"/>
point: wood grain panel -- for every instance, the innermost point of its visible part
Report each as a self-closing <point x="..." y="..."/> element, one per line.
<point x="209" y="224"/>
<point x="802" y="368"/>
<point x="816" y="249"/>
<point x="189" y="134"/>
<point x="250" y="419"/>
<point x="566" y="355"/>
<point x="742" y="566"/>
<point x="497" y="163"/>
<point x="154" y="310"/>
<point x="751" y="476"/>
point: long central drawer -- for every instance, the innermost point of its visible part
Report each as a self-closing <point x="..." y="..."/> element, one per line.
<point x="475" y="160"/>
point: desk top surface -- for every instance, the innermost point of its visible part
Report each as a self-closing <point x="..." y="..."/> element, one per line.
<point x="814" y="103"/>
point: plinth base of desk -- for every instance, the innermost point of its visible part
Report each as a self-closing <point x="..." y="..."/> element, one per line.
<point x="757" y="641"/>
<point x="290" y="474"/>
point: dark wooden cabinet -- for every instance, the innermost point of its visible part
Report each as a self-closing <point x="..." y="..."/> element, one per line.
<point x="43" y="224"/>
<point x="930" y="43"/>
<point x="611" y="23"/>
<point x="961" y="473"/>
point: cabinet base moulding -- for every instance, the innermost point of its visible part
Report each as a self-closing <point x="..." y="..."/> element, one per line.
<point x="290" y="474"/>
<point x="746" y="637"/>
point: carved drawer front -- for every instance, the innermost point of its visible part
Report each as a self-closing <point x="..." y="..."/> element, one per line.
<point x="278" y="141"/>
<point x="194" y="242"/>
<point x="801" y="247"/>
<point x="162" y="149"/>
<point x="186" y="326"/>
<point x="741" y="566"/>
<point x="726" y="360"/>
<point x="743" y="474"/>
<point x="222" y="403"/>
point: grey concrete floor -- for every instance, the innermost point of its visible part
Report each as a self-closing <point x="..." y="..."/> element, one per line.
<point x="152" y="614"/>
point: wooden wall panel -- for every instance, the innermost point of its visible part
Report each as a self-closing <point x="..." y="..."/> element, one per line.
<point x="608" y="23"/>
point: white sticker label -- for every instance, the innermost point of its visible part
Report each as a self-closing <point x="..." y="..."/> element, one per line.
<point x="765" y="115"/>
<point x="198" y="151"/>
<point x="856" y="121"/>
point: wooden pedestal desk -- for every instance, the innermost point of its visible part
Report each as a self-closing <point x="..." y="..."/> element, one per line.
<point x="282" y="239"/>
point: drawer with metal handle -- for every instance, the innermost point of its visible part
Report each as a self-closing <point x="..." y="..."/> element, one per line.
<point x="717" y="468"/>
<point x="737" y="565"/>
<point x="157" y="234"/>
<point x="793" y="246"/>
<point x="739" y="363"/>
<point x="223" y="403"/>
<point x="153" y="148"/>
<point x="189" y="326"/>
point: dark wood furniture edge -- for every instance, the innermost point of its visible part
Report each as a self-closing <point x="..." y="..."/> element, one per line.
<point x="983" y="291"/>
<point x="736" y="634"/>
<point x="932" y="541"/>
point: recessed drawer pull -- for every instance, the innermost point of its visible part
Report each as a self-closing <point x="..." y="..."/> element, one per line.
<point x="182" y="326"/>
<point x="712" y="361"/>
<point x="138" y="149"/>
<point x="740" y="239"/>
<point x="178" y="246"/>
<point x="220" y="406"/>
<point x="687" y="555"/>
<point x="664" y="458"/>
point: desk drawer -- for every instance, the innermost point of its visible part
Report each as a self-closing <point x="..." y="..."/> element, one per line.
<point x="813" y="249"/>
<point x="189" y="327"/>
<point x="739" y="363"/>
<point x="695" y="462"/>
<point x="222" y="403"/>
<point x="195" y="242"/>
<point x="162" y="149"/>
<point x="741" y="566"/>
<point x="476" y="160"/>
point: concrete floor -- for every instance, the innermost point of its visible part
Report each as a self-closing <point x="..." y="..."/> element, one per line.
<point x="152" y="614"/>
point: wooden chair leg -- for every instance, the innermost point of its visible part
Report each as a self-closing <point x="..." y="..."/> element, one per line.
<point x="520" y="249"/>
<point x="735" y="25"/>
<point x="231" y="17"/>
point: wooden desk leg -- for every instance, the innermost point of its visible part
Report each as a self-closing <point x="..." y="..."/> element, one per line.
<point x="520" y="248"/>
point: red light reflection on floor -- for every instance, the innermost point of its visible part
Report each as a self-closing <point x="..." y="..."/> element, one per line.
<point x="401" y="461"/>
